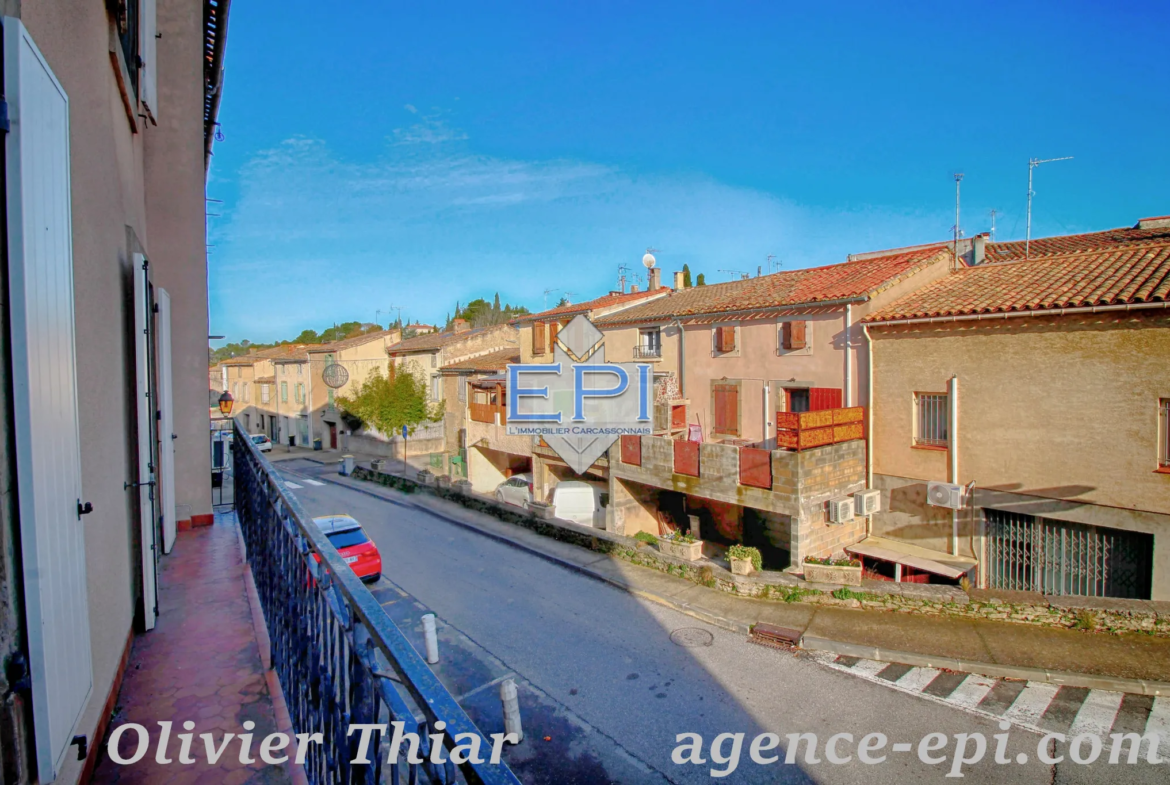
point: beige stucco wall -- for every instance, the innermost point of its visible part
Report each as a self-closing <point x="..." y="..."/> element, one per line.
<point x="1059" y="408"/>
<point x="131" y="192"/>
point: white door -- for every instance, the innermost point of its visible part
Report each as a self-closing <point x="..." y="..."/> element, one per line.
<point x="44" y="392"/>
<point x="143" y="339"/>
<point x="166" y="421"/>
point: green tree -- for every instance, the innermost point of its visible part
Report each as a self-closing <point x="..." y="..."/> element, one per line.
<point x="686" y="276"/>
<point x="388" y="402"/>
<point x="563" y="301"/>
<point x="701" y="280"/>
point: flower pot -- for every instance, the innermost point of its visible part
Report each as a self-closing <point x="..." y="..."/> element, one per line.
<point x="541" y="510"/>
<point x="741" y="566"/>
<point x="376" y="464"/>
<point x="687" y="551"/>
<point x="826" y="573"/>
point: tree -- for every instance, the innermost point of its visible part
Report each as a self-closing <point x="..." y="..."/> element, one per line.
<point x="563" y="301"/>
<point x="388" y="402"/>
<point x="701" y="280"/>
<point x="686" y="276"/>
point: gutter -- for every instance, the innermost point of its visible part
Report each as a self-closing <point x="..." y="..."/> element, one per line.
<point x="213" y="83"/>
<point x="868" y="419"/>
<point x="1029" y="313"/>
<point x="682" y="353"/>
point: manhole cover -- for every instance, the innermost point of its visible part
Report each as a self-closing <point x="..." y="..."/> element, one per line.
<point x="691" y="637"/>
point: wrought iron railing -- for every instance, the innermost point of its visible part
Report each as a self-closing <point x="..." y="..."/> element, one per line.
<point x="647" y="352"/>
<point x="341" y="661"/>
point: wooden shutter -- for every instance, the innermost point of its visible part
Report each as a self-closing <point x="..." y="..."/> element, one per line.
<point x="726" y="404"/>
<point x="166" y="407"/>
<point x="144" y="334"/>
<point x="538" y="337"/>
<point x="794" y="335"/>
<point x="820" y="398"/>
<point x="148" y="51"/>
<point x="553" y="329"/>
<point x="44" y="396"/>
<point x="725" y="338"/>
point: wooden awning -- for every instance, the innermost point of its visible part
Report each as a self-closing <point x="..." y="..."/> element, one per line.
<point x="906" y="554"/>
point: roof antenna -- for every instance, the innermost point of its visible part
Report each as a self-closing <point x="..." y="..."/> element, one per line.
<point x="1032" y="164"/>
<point x="958" y="232"/>
<point x="623" y="271"/>
<point x="547" y="292"/>
<point x="992" y="238"/>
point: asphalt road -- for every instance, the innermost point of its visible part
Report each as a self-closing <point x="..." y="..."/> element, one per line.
<point x="608" y="680"/>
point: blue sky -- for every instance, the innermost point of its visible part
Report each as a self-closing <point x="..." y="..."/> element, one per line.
<point x="417" y="154"/>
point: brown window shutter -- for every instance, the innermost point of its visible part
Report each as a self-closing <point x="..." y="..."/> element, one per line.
<point x="538" y="337"/>
<point x="726" y="405"/>
<point x="553" y="329"/>
<point x="794" y="335"/>
<point x="725" y="339"/>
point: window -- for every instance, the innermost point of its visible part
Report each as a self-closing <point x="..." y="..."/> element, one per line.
<point x="725" y="400"/>
<point x="300" y="369"/>
<point x="436" y="388"/>
<point x="797" y="399"/>
<point x="246" y="397"/>
<point x="301" y="393"/>
<point x="538" y="337"/>
<point x="462" y="391"/>
<point x="283" y="391"/>
<point x="434" y="360"/>
<point x="930" y="419"/>
<point x="264" y="393"/>
<point x="236" y="390"/>
<point x="1164" y="433"/>
<point x="724" y="337"/>
<point x="794" y="335"/>
<point x="649" y="343"/>
<point x="126" y="24"/>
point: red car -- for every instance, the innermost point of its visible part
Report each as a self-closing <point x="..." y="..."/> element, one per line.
<point x="358" y="550"/>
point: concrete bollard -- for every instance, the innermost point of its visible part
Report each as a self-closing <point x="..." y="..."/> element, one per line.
<point x="431" y="636"/>
<point x="511" y="710"/>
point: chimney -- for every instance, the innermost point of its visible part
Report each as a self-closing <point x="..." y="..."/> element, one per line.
<point x="653" y="279"/>
<point x="634" y="289"/>
<point x="979" y="250"/>
<point x="678" y="279"/>
<point x="460" y="325"/>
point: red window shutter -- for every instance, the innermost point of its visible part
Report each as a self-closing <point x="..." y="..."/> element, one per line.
<point x="538" y="338"/>
<point x="553" y="329"/>
<point x="794" y="335"/>
<point x="726" y="405"/>
<point x="820" y="398"/>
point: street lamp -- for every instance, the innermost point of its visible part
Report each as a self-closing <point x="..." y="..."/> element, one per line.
<point x="225" y="403"/>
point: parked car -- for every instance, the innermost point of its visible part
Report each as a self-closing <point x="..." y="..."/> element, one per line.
<point x="579" y="502"/>
<point x="350" y="540"/>
<point x="262" y="442"/>
<point x="517" y="490"/>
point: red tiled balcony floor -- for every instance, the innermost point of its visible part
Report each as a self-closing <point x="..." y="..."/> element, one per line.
<point x="200" y="663"/>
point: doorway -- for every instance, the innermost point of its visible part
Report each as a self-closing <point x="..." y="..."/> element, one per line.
<point x="332" y="436"/>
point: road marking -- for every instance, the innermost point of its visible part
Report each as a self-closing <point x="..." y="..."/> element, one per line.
<point x="894" y="671"/>
<point x="1097" y="713"/>
<point x="1159" y="723"/>
<point x="482" y="687"/>
<point x="917" y="679"/>
<point x="293" y="485"/>
<point x="318" y="483"/>
<point x="1031" y="704"/>
<point x="1063" y="708"/>
<point x="971" y="691"/>
<point x="944" y="684"/>
<point x="868" y="667"/>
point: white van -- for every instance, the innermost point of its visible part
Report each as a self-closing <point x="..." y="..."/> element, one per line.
<point x="579" y="502"/>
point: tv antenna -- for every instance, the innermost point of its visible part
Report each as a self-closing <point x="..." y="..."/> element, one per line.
<point x="623" y="272"/>
<point x="547" y="292"/>
<point x="740" y="273"/>
<point x="1032" y="164"/>
<point x="958" y="231"/>
<point x="992" y="238"/>
<point x="568" y="295"/>
<point x="774" y="263"/>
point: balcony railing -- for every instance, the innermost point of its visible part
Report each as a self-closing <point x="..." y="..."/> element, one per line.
<point x="647" y="352"/>
<point x="486" y="412"/>
<point x="804" y="430"/>
<point x="340" y="659"/>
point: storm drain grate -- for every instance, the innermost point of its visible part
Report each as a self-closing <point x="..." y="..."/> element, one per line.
<point x="776" y="637"/>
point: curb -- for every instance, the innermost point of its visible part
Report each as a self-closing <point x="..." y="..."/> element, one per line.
<point x="811" y="642"/>
<point x="1061" y="678"/>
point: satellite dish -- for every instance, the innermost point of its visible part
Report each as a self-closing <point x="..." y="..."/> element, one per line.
<point x="648" y="260"/>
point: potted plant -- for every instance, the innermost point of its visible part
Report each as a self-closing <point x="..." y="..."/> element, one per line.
<point x="845" y="572"/>
<point x="681" y="545"/>
<point x="744" y="559"/>
<point x="376" y="464"/>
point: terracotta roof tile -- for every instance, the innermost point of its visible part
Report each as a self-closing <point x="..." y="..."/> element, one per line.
<point x="433" y="341"/>
<point x="1118" y="274"/>
<point x="486" y="363"/>
<point x="1078" y="243"/>
<point x="858" y="278"/>
<point x="349" y="343"/>
<point x="597" y="303"/>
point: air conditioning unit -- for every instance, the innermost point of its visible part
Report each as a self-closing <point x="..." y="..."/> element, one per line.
<point x="867" y="502"/>
<point x="841" y="510"/>
<point x="944" y="494"/>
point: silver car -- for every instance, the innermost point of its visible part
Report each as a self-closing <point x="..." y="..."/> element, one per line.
<point x="517" y="490"/>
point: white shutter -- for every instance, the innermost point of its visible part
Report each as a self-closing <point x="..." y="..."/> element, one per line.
<point x="166" y="427"/>
<point x="148" y="49"/>
<point x="44" y="381"/>
<point x="146" y="473"/>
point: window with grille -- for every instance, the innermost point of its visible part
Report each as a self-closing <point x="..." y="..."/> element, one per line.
<point x="930" y="416"/>
<point x="1164" y="433"/>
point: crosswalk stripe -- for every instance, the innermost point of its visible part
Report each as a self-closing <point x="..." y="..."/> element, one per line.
<point x="1063" y="708"/>
<point x="1134" y="711"/>
<point x="1032" y="703"/>
<point x="869" y="667"/>
<point x="314" y="482"/>
<point x="894" y="671"/>
<point x="917" y="678"/>
<point x="971" y="691"/>
<point x="944" y="684"/>
<point x="1159" y="723"/>
<point x="1097" y="713"/>
<point x="1001" y="697"/>
<point x="293" y="485"/>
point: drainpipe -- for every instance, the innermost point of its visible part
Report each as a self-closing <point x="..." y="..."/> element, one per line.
<point x="309" y="399"/>
<point x="868" y="419"/>
<point x="682" y="352"/>
<point x="953" y="438"/>
<point x="848" y="354"/>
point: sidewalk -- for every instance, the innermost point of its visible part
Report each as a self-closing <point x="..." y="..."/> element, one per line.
<point x="1133" y="663"/>
<point x="201" y="663"/>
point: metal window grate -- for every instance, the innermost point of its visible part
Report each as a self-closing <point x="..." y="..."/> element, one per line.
<point x="931" y="425"/>
<point x="1025" y="553"/>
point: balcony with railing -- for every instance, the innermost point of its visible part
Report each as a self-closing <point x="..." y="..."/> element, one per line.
<point x="818" y="455"/>
<point x="648" y="352"/>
